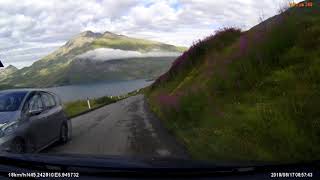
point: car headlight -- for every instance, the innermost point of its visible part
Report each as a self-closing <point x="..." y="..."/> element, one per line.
<point x="8" y="129"/>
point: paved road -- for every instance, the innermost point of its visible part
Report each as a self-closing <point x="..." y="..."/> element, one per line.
<point x="125" y="128"/>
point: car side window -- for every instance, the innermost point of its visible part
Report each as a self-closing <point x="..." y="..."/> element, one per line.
<point x="52" y="100"/>
<point x="48" y="100"/>
<point x="35" y="103"/>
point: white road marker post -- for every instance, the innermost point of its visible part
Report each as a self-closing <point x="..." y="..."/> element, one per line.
<point x="88" y="102"/>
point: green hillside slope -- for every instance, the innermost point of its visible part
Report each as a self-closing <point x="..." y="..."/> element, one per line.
<point x="5" y="72"/>
<point x="251" y="95"/>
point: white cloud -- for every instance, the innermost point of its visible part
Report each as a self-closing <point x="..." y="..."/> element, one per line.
<point x="105" y="54"/>
<point x="44" y="25"/>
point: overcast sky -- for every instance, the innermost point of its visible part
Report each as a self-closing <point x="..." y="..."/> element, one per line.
<point x="30" y="29"/>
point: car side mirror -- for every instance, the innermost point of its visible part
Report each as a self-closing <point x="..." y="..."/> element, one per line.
<point x="35" y="112"/>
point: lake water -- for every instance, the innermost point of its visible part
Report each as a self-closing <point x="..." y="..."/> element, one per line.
<point x="84" y="91"/>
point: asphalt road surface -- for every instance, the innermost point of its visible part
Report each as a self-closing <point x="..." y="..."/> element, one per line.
<point x="125" y="128"/>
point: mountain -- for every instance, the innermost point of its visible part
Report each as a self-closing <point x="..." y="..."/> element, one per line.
<point x="248" y="96"/>
<point x="67" y="66"/>
<point x="4" y="73"/>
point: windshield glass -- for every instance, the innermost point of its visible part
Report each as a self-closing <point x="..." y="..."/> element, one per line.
<point x="11" y="101"/>
<point x="208" y="80"/>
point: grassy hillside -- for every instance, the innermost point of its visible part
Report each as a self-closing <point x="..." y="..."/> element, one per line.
<point x="126" y="43"/>
<point x="5" y="72"/>
<point x="250" y="95"/>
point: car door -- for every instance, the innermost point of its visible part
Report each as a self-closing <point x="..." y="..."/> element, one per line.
<point x="38" y="121"/>
<point x="59" y="116"/>
<point x="52" y="116"/>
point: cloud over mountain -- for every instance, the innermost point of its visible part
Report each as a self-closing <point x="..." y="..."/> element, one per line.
<point x="105" y="54"/>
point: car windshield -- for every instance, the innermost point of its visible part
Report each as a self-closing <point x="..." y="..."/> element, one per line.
<point x="11" y="101"/>
<point x="207" y="80"/>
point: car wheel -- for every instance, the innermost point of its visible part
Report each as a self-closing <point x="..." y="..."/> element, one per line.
<point x="18" y="146"/>
<point x="64" y="134"/>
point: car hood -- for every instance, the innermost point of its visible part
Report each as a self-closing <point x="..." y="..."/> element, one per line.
<point x="6" y="117"/>
<point x="115" y="166"/>
<point x="102" y="161"/>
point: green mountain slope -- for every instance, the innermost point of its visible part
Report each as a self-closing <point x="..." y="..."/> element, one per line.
<point x="6" y="72"/>
<point x="56" y="68"/>
<point x="250" y="95"/>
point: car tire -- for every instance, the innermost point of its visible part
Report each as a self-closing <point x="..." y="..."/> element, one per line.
<point x="18" y="146"/>
<point x="64" y="134"/>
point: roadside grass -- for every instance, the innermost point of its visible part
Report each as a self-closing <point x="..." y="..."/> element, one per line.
<point x="80" y="107"/>
<point x="259" y="102"/>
